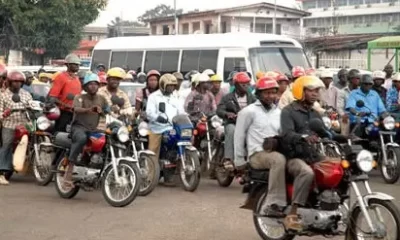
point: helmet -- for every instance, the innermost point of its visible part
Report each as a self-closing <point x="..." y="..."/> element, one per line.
<point x="133" y="73"/>
<point x="43" y="75"/>
<point x="309" y="82"/>
<point x="354" y="73"/>
<point x="90" y="77"/>
<point x="195" y="78"/>
<point x="216" y="78"/>
<point x="116" y="72"/>
<point x="326" y="74"/>
<point x="28" y="74"/>
<point x="208" y="72"/>
<point x="311" y="72"/>
<point x="241" y="77"/>
<point x="366" y="79"/>
<point x="259" y="74"/>
<point x="266" y="83"/>
<point x="153" y="72"/>
<point x="231" y="75"/>
<point x="102" y="78"/>
<point x="342" y="72"/>
<point x="15" y="75"/>
<point x="281" y="77"/>
<point x="271" y="74"/>
<point x="167" y="79"/>
<point x="178" y="75"/>
<point x="53" y="114"/>
<point x="72" y="59"/>
<point x="379" y="75"/>
<point x="101" y="65"/>
<point x="128" y="76"/>
<point x="298" y="72"/>
<point x="396" y="77"/>
<point x="202" y="77"/>
<point x="188" y="76"/>
<point x="141" y="77"/>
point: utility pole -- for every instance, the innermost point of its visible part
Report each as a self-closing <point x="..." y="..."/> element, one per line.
<point x="176" y="20"/>
<point x="274" y="19"/>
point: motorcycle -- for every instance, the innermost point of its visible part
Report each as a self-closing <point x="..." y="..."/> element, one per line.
<point x="379" y="139"/>
<point x="202" y="141"/>
<point x="327" y="212"/>
<point x="177" y="154"/>
<point x="102" y="164"/>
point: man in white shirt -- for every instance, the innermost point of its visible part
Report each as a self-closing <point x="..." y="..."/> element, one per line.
<point x="328" y="93"/>
<point x="388" y="80"/>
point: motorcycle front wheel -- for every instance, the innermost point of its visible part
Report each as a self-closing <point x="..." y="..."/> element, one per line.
<point x="123" y="193"/>
<point x="63" y="191"/>
<point x="190" y="173"/>
<point x="150" y="172"/>
<point x="42" y="168"/>
<point x="357" y="229"/>
<point x="224" y="177"/>
<point x="391" y="171"/>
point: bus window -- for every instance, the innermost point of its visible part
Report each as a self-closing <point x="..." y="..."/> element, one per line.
<point x="153" y="61"/>
<point x="208" y="60"/>
<point x="169" y="62"/>
<point x="118" y="59"/>
<point x="100" y="56"/>
<point x="134" y="61"/>
<point x="199" y="60"/>
<point x="233" y="64"/>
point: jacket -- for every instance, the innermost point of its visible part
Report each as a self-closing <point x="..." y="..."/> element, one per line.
<point x="229" y="104"/>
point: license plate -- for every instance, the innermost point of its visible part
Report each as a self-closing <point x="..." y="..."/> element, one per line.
<point x="184" y="143"/>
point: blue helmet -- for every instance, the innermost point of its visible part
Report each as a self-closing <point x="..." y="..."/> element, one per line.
<point x="91" y="77"/>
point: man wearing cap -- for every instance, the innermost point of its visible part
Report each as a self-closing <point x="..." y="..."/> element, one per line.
<point x="328" y="94"/>
<point x="200" y="100"/>
<point x="216" y="90"/>
<point x="379" y="78"/>
<point x="178" y="91"/>
<point x="392" y="98"/>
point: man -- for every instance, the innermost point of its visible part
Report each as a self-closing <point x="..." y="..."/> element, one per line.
<point x="342" y="76"/>
<point x="328" y="93"/>
<point x="65" y="87"/>
<point x="295" y="131"/>
<point x="283" y="82"/>
<point x="87" y="109"/>
<point x="3" y="77"/>
<point x="392" y="98"/>
<point x="379" y="78"/>
<point x="228" y="109"/>
<point x="11" y="119"/>
<point x="200" y="100"/>
<point x="142" y="95"/>
<point x="388" y="79"/>
<point x="255" y="139"/>
<point x="44" y="77"/>
<point x="216" y="90"/>
<point x="160" y="122"/>
<point x="191" y="85"/>
<point x="114" y="77"/>
<point x="373" y="105"/>
<point x="100" y="68"/>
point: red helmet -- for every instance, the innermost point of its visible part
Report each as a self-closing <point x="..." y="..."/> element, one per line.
<point x="298" y="72"/>
<point x="53" y="114"/>
<point x="282" y="77"/>
<point x="3" y="70"/>
<point x="16" y="76"/>
<point x="241" y="77"/>
<point x="266" y="83"/>
<point x="311" y="72"/>
<point x="153" y="72"/>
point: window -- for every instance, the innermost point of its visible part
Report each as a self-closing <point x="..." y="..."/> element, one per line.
<point x="372" y="1"/>
<point x="324" y="3"/>
<point x="118" y="59"/>
<point x="309" y="4"/>
<point x="341" y="3"/>
<point x="233" y="64"/>
<point x="165" y="30"/>
<point x="153" y="60"/>
<point x="199" y="60"/>
<point x="134" y="61"/>
<point x="162" y="61"/>
<point x="387" y="17"/>
<point x="223" y="27"/>
<point x="342" y="20"/>
<point x="356" y="2"/>
<point x="100" y="56"/>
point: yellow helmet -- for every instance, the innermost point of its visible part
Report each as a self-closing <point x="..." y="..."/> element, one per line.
<point x="310" y="82"/>
<point x="116" y="72"/>
<point x="167" y="79"/>
<point x="260" y="74"/>
<point x="216" y="78"/>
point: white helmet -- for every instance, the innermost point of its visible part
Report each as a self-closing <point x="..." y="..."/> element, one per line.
<point x="199" y="78"/>
<point x="326" y="74"/>
<point x="208" y="72"/>
<point x="378" y="75"/>
<point x="396" y="77"/>
<point x="72" y="59"/>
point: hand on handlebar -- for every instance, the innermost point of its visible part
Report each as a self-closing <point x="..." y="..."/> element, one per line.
<point x="97" y="109"/>
<point x="6" y="113"/>
<point x="312" y="139"/>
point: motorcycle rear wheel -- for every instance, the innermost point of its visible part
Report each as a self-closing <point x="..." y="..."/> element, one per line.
<point x="191" y="181"/>
<point x="59" y="181"/>
<point x="224" y="177"/>
<point x="153" y="174"/>
<point x="391" y="178"/>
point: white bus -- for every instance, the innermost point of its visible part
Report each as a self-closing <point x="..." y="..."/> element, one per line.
<point x="222" y="53"/>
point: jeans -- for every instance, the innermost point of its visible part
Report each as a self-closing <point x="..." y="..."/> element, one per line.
<point x="303" y="180"/>
<point x="6" y="151"/>
<point x="229" y="141"/>
<point x="79" y="138"/>
<point x="64" y="120"/>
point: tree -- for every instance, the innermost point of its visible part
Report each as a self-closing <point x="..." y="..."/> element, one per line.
<point x="115" y="27"/>
<point x="54" y="26"/>
<point x="161" y="10"/>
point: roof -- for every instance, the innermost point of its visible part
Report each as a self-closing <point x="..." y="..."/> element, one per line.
<point x="385" y="42"/>
<point x="190" y="41"/>
<point x="352" y="41"/>
<point x="231" y="9"/>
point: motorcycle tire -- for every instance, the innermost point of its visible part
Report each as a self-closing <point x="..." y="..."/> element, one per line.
<point x="224" y="177"/>
<point x="383" y="169"/>
<point x="42" y="180"/>
<point x="59" y="180"/>
<point x="194" y="181"/>
<point x="390" y="206"/>
<point x="134" y="192"/>
<point x="153" y="174"/>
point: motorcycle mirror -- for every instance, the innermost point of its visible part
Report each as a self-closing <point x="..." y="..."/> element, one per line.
<point x="16" y="98"/>
<point x="70" y="96"/>
<point x="360" y="103"/>
<point x="161" y="107"/>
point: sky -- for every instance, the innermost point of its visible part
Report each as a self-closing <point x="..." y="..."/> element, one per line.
<point x="130" y="9"/>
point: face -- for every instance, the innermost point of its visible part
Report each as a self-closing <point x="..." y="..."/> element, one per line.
<point x="204" y="86"/>
<point x="242" y="87"/>
<point x="216" y="86"/>
<point x="283" y="86"/>
<point x="327" y="81"/>
<point x="389" y="70"/>
<point x="92" y="87"/>
<point x="169" y="89"/>
<point x="43" y="79"/>
<point x="73" y="67"/>
<point x="311" y="95"/>
<point x="355" y="81"/>
<point x="113" y="82"/>
<point x="378" y="82"/>
<point x="268" y="96"/>
<point x="365" y="87"/>
<point x="152" y="82"/>
<point x="396" y="84"/>
<point x="15" y="85"/>
<point x="101" y="69"/>
<point x="29" y="80"/>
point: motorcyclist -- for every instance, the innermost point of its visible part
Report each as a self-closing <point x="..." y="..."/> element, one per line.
<point x="379" y="78"/>
<point x="230" y="81"/>
<point x="342" y="77"/>
<point x="100" y="68"/>
<point x="373" y="105"/>
<point x="141" y="77"/>
<point x="103" y="79"/>
<point x="201" y="100"/>
<point x="283" y="82"/>
<point x="11" y="119"/>
<point x="228" y="109"/>
<point x="27" y="86"/>
<point x="255" y="139"/>
<point x="142" y="95"/>
<point x="190" y="85"/>
<point x="44" y="77"/>
<point x="65" y="87"/>
<point x="216" y="90"/>
<point x="295" y="133"/>
<point x="134" y="75"/>
<point x="87" y="109"/>
<point x="114" y="77"/>
<point x="392" y="98"/>
<point x="328" y="93"/>
<point x="179" y="92"/>
<point x="160" y="122"/>
<point x="388" y="79"/>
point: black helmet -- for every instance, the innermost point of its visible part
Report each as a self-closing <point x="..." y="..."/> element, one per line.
<point x="366" y="78"/>
<point x="100" y="65"/>
<point x="28" y="74"/>
<point x="354" y="73"/>
<point x="342" y="72"/>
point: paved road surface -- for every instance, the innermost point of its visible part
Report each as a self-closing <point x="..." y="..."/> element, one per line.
<point x="30" y="212"/>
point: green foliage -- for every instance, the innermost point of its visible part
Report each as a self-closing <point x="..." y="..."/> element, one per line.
<point x="161" y="10"/>
<point x="54" y="25"/>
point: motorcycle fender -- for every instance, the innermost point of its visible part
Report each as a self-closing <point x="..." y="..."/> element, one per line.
<point x="255" y="192"/>
<point x="19" y="155"/>
<point x="147" y="152"/>
<point x="374" y="195"/>
<point x="128" y="159"/>
<point x="191" y="148"/>
<point x="392" y="144"/>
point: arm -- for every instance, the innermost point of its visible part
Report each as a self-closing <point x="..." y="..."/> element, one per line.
<point x="56" y="89"/>
<point x="139" y="99"/>
<point x="151" y="109"/>
<point x="351" y="104"/>
<point x="288" y="126"/>
<point x="340" y="102"/>
<point x="381" y="107"/>
<point x="221" y="108"/>
<point x="126" y="108"/>
<point x="2" y="107"/>
<point x="317" y="107"/>
<point x="78" y="107"/>
<point x="213" y="104"/>
<point x="188" y="102"/>
<point x="243" y="123"/>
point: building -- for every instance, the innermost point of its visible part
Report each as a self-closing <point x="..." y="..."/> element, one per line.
<point x="250" y="18"/>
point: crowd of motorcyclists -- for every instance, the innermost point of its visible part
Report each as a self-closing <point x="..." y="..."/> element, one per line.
<point x="265" y="122"/>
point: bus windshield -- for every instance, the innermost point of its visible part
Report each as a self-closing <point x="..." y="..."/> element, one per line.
<point x="280" y="59"/>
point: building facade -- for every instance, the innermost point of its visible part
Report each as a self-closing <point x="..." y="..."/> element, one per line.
<point x="250" y="18"/>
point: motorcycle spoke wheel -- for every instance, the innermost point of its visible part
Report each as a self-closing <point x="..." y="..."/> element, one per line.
<point x="150" y="172"/>
<point x="190" y="176"/>
<point x="391" y="171"/>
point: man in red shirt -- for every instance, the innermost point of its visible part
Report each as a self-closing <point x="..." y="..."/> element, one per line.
<point x="65" y="87"/>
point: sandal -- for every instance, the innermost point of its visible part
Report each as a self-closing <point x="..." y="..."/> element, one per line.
<point x="292" y="223"/>
<point x="68" y="184"/>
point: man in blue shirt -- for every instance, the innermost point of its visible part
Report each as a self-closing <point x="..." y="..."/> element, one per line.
<point x="392" y="97"/>
<point x="373" y="105"/>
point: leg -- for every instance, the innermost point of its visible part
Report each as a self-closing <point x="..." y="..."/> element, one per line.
<point x="6" y="154"/>
<point x="79" y="139"/>
<point x="229" y="152"/>
<point x="155" y="144"/>
<point x="276" y="163"/>
<point x="64" y="120"/>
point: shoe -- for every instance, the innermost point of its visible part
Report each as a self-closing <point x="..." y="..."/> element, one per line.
<point x="228" y="165"/>
<point x="3" y="180"/>
<point x="292" y="223"/>
<point x="274" y="211"/>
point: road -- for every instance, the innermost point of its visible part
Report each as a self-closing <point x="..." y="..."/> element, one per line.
<point x="31" y="212"/>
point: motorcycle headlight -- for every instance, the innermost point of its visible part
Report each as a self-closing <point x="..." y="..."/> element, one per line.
<point x="216" y="122"/>
<point x="389" y="123"/>
<point x="327" y="122"/>
<point x="365" y="161"/>
<point x="43" y="123"/>
<point x="143" y="129"/>
<point x="123" y="134"/>
<point x="186" y="133"/>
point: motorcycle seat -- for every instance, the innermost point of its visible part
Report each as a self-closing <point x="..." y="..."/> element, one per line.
<point x="63" y="139"/>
